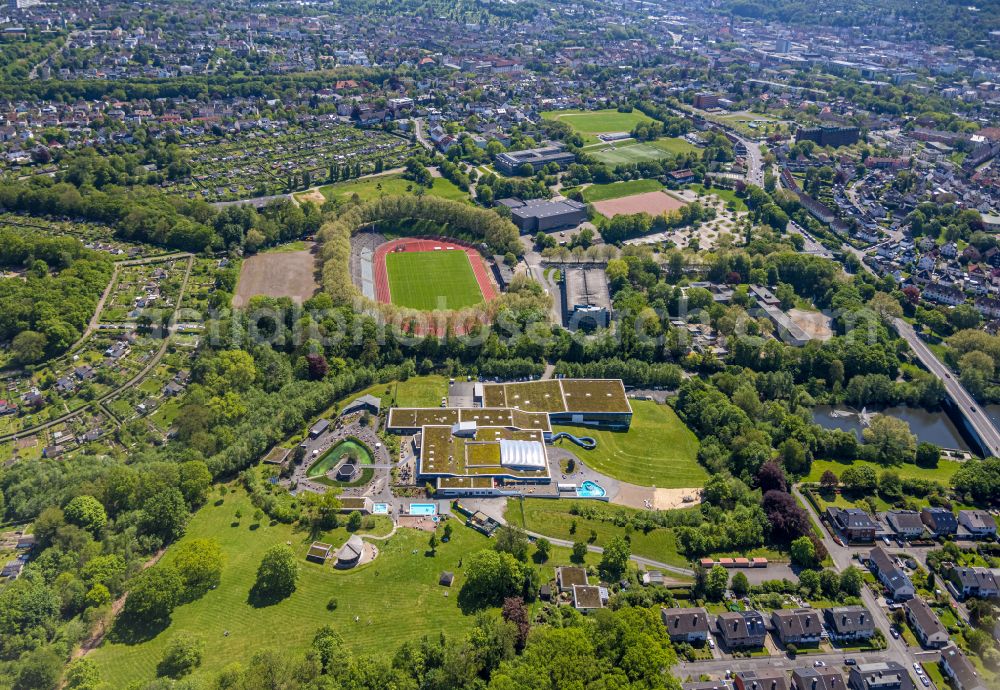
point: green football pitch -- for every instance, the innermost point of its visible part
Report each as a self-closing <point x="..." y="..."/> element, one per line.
<point x="432" y="280"/>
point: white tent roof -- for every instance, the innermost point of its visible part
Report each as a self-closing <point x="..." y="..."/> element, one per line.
<point x="523" y="454"/>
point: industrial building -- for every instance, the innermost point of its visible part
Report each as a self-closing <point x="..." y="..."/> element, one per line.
<point x="537" y="158"/>
<point x="586" y="298"/>
<point x="543" y="215"/>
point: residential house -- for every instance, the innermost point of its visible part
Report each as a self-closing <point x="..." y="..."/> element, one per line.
<point x="568" y="577"/>
<point x="988" y="307"/>
<point x="855" y="524"/>
<point x="741" y="629"/>
<point x="881" y="675"/>
<point x="979" y="523"/>
<point x="906" y="523"/>
<point x="960" y="670"/>
<point x="973" y="582"/>
<point x="589" y="597"/>
<point x="849" y="623"/>
<point x="686" y="625"/>
<point x="925" y="623"/>
<point x="944" y="294"/>
<point x="817" y="678"/>
<point x="762" y="679"/>
<point x="940" y="522"/>
<point x="797" y="626"/>
<point x="891" y="575"/>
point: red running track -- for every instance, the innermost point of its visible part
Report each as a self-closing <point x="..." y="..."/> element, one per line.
<point x="411" y="244"/>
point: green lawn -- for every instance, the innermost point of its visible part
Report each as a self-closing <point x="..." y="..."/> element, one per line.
<point x="294" y="246"/>
<point x="374" y="187"/>
<point x="330" y="458"/>
<point x="645" y="151"/>
<point x="592" y="122"/>
<point x="417" y="391"/>
<point x="727" y="195"/>
<point x="615" y="190"/>
<point x="553" y="519"/>
<point x="674" y="145"/>
<point x="942" y="473"/>
<point x="658" y="450"/>
<point x="432" y="280"/>
<point x="396" y="597"/>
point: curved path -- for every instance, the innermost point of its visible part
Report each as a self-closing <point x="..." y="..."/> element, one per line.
<point x="642" y="560"/>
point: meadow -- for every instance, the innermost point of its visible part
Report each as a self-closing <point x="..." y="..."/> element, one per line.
<point x="384" y="185"/>
<point x="658" y="450"/>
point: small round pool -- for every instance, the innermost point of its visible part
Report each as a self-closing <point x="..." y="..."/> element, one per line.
<point x="591" y="489"/>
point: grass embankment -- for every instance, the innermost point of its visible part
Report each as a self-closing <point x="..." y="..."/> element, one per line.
<point x="657" y="450"/>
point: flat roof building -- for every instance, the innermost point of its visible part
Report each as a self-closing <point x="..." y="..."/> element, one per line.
<point x="586" y="298"/>
<point x="544" y="215"/>
<point x="510" y="161"/>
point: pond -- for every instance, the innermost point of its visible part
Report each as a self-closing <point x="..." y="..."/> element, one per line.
<point x="332" y="457"/>
<point x="934" y="427"/>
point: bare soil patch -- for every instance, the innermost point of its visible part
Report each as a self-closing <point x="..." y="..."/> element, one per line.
<point x="816" y="324"/>
<point x="278" y="274"/>
<point x="653" y="203"/>
<point x="313" y="195"/>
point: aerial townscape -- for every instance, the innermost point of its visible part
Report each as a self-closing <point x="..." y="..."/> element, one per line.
<point x="500" y="345"/>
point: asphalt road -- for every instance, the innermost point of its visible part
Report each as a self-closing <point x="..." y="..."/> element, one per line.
<point x="969" y="408"/>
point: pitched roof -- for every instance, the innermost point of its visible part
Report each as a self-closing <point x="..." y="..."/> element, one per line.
<point x="685" y="621"/>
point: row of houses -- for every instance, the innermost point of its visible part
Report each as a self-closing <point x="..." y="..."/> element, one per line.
<point x="749" y="629"/>
<point x="934" y="521"/>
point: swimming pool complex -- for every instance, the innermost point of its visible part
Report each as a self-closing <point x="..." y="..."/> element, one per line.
<point x="380" y="509"/>
<point x="591" y="489"/>
<point x="423" y="509"/>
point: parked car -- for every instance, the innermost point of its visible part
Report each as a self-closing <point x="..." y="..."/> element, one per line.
<point x="894" y="632"/>
<point x="851" y="661"/>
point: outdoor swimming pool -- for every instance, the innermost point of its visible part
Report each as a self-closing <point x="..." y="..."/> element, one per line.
<point x="380" y="509"/>
<point x="591" y="489"/>
<point x="423" y="509"/>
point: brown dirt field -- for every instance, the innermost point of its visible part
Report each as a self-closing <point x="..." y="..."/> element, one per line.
<point x="814" y="323"/>
<point x="653" y="203"/>
<point x="278" y="274"/>
<point x="313" y="195"/>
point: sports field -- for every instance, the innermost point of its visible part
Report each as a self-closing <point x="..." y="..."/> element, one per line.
<point x="592" y="122"/>
<point x="641" y="152"/>
<point x="432" y="280"/>
<point x="658" y="450"/>
<point x="616" y="190"/>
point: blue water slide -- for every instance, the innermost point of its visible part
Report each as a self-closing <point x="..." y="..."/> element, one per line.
<point x="585" y="442"/>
